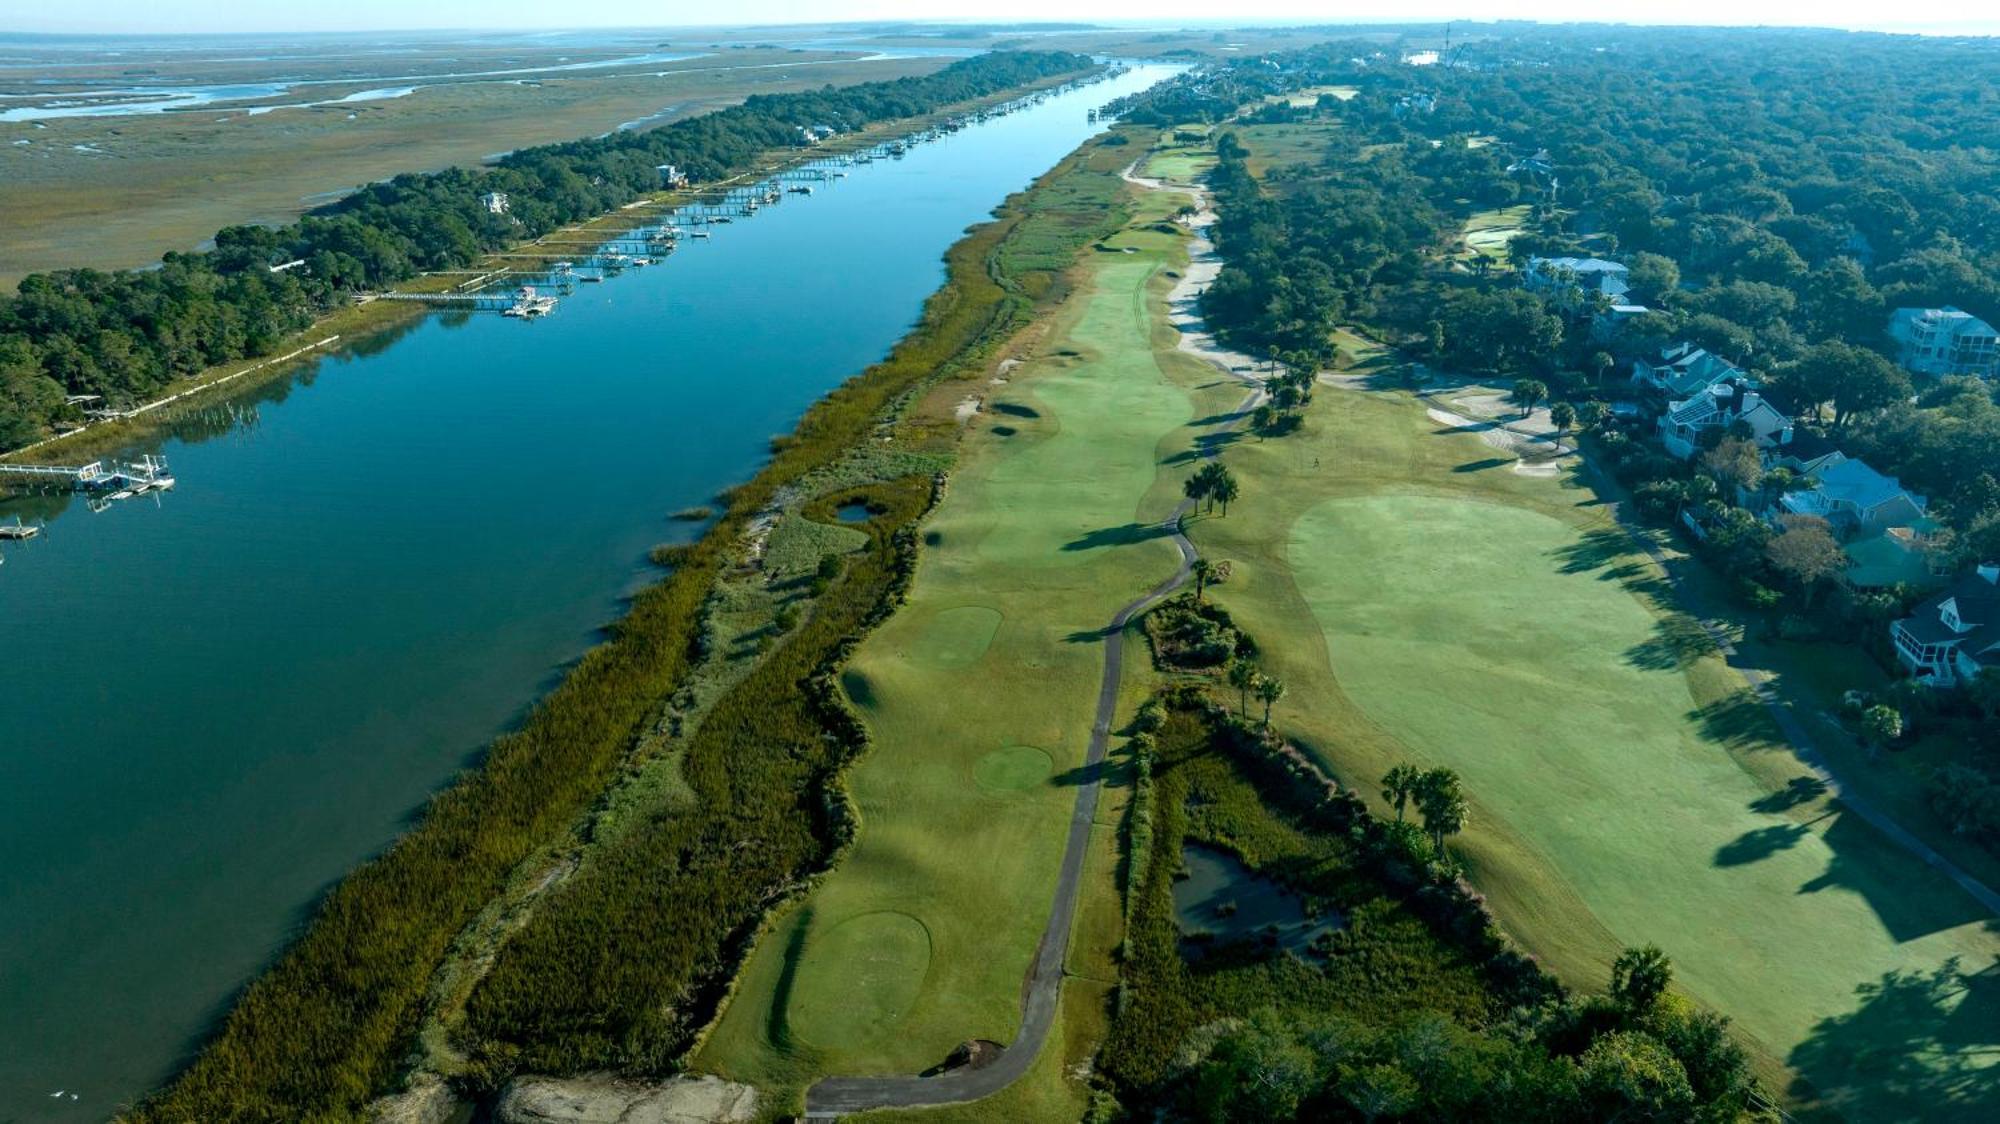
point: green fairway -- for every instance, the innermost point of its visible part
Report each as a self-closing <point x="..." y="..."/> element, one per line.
<point x="978" y="697"/>
<point x="1426" y="602"/>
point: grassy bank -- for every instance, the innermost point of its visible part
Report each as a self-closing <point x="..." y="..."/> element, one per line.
<point x="330" y="1022"/>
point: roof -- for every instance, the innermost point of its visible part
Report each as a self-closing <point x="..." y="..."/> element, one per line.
<point x="1978" y="603"/>
<point x="1686" y="369"/>
<point x="1958" y="322"/>
<point x="1852" y="481"/>
<point x="1580" y="265"/>
<point x="1897" y="556"/>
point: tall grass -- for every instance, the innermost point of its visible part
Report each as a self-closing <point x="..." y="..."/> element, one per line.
<point x="326" y="1026"/>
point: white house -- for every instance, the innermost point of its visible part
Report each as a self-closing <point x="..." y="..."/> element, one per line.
<point x="1944" y="341"/>
<point x="671" y="176"/>
<point x="1956" y="634"/>
<point x="1721" y="407"/>
<point x="1683" y="371"/>
<point x="1855" y="498"/>
<point x="1562" y="278"/>
<point x="495" y="202"/>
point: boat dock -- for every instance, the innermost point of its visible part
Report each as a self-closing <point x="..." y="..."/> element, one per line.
<point x="148" y="474"/>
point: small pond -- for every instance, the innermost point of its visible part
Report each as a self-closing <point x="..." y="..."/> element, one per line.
<point x="1224" y="901"/>
<point x="856" y="512"/>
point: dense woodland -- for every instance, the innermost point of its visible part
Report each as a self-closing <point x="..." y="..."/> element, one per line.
<point x="1775" y="193"/>
<point x="124" y="335"/>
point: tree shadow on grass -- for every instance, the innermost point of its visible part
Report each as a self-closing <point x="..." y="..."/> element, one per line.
<point x="1802" y="790"/>
<point x="1909" y="899"/>
<point x="1760" y="843"/>
<point x="1919" y="1045"/>
<point x="1081" y="775"/>
<point x="1738" y="721"/>
<point x="1015" y="409"/>
<point x="1677" y="644"/>
<point x="1594" y="550"/>
<point x="1206" y="446"/>
<point x="1125" y="535"/>
<point x="1090" y="635"/>
<point x="1481" y="466"/>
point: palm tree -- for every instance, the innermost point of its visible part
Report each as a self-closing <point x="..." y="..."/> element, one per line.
<point x="1196" y="487"/>
<point x="1639" y="977"/>
<point x="1441" y="802"/>
<point x="1269" y="690"/>
<point x="1243" y="676"/>
<point x="1399" y="787"/>
<point x="1225" y="489"/>
<point x="1203" y="570"/>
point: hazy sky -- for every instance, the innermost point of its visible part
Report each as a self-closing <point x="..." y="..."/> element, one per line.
<point x="355" y="15"/>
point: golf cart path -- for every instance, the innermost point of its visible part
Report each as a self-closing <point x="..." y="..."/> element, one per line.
<point x="838" y="1096"/>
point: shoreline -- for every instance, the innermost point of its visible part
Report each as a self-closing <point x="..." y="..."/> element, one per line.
<point x="358" y="323"/>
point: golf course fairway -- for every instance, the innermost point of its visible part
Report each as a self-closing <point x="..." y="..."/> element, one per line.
<point x="1428" y="603"/>
<point x="978" y="696"/>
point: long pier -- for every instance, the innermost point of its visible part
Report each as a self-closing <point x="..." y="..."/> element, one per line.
<point x="147" y="474"/>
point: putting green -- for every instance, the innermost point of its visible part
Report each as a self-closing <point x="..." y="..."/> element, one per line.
<point x="956" y="637"/>
<point x="857" y="979"/>
<point x="1014" y="769"/>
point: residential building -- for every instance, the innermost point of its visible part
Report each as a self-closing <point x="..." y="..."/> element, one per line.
<point x="1955" y="634"/>
<point x="671" y="176"/>
<point x="1726" y="405"/>
<point x="495" y="202"/>
<point x="1605" y="326"/>
<point x="1572" y="282"/>
<point x="1855" y="498"/>
<point x="1896" y="556"/>
<point x="1805" y="453"/>
<point x="1683" y="371"/>
<point x="1944" y="341"/>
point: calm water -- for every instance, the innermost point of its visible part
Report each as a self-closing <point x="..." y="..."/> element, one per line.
<point x="1224" y="900"/>
<point x="215" y="704"/>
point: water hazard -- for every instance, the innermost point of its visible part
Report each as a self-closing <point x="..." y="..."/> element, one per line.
<point x="224" y="696"/>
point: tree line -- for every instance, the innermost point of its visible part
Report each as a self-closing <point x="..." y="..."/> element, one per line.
<point x="122" y="335"/>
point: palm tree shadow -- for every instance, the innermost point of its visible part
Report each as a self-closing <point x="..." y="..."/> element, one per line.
<point x="1125" y="535"/>
<point x="1677" y="644"/>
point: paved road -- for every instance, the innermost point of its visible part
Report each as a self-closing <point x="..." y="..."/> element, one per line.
<point x="837" y="1096"/>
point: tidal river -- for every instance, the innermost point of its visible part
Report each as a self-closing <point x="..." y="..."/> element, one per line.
<point x="216" y="701"/>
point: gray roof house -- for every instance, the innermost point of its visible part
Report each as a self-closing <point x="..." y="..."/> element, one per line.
<point x="1954" y="635"/>
<point x="1855" y="498"/>
<point x="1944" y="341"/>
<point x="1720" y="407"/>
<point x="1683" y="371"/>
<point x="1593" y="277"/>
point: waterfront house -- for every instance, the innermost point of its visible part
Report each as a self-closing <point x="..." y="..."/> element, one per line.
<point x="1729" y="404"/>
<point x="1955" y="634"/>
<point x="1855" y="499"/>
<point x="495" y="202"/>
<point x="1944" y="341"/>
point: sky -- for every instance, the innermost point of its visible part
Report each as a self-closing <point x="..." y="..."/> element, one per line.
<point x="154" y="16"/>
